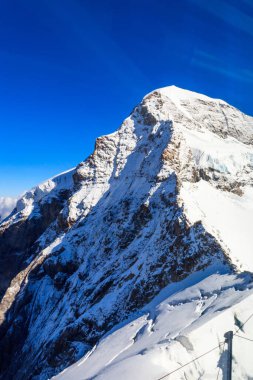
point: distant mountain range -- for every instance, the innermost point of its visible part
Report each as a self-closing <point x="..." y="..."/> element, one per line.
<point x="7" y="204"/>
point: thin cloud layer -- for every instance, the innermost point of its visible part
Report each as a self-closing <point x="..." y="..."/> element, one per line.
<point x="228" y="13"/>
<point x="209" y="62"/>
<point x="7" y="204"/>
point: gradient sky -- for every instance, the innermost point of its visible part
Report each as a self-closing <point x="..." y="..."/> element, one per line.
<point x="71" y="70"/>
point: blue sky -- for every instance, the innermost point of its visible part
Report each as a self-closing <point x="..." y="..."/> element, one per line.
<point x="71" y="70"/>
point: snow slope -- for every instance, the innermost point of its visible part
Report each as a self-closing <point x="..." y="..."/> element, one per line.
<point x="228" y="217"/>
<point x="179" y="325"/>
<point x="166" y="196"/>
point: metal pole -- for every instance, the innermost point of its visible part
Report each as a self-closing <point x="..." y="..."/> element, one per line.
<point x="229" y="340"/>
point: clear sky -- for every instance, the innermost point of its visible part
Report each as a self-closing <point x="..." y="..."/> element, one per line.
<point x="71" y="70"/>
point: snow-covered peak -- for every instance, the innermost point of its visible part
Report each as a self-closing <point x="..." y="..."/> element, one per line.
<point x="167" y="195"/>
<point x="177" y="93"/>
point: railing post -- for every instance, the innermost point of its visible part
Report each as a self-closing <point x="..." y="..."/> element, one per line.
<point x="229" y="340"/>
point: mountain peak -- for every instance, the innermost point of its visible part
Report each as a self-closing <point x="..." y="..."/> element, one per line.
<point x="177" y="93"/>
<point x="167" y="196"/>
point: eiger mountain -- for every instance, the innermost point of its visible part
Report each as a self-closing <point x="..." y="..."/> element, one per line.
<point x="140" y="258"/>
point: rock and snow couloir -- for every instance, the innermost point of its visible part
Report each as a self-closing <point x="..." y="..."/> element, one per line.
<point x="164" y="203"/>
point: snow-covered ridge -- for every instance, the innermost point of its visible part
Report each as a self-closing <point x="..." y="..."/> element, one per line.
<point x="179" y="325"/>
<point x="177" y="93"/>
<point x="26" y="204"/>
<point x="162" y="198"/>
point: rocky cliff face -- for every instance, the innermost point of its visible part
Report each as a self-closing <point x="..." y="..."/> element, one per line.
<point x="85" y="249"/>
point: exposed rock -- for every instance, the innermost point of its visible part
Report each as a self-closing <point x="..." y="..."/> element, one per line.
<point x="87" y="248"/>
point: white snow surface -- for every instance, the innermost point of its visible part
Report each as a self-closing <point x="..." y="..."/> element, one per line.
<point x="183" y="322"/>
<point x="177" y="93"/>
<point x="228" y="217"/>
